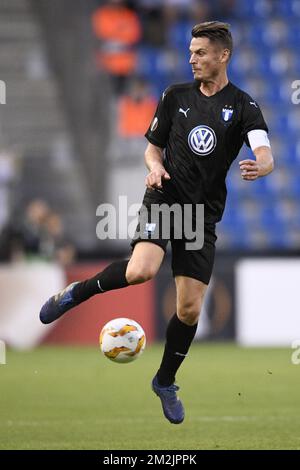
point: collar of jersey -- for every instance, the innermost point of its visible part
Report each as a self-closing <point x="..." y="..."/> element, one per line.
<point x="197" y="87"/>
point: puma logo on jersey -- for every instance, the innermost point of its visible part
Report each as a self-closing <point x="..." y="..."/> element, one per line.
<point x="184" y="111"/>
<point x="254" y="104"/>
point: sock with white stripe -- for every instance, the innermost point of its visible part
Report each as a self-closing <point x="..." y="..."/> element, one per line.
<point x="112" y="277"/>
<point x="179" y="337"/>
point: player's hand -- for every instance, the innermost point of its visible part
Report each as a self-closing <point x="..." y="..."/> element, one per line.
<point x="249" y="169"/>
<point x="155" y="177"/>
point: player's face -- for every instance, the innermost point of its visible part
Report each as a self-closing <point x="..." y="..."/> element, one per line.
<point x="206" y="59"/>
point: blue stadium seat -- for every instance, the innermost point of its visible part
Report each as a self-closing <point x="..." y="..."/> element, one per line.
<point x="262" y="90"/>
<point x="293" y="119"/>
<point x="291" y="155"/>
<point x="283" y="61"/>
<point x="146" y="62"/>
<point x="179" y="34"/>
<point x="254" y="33"/>
<point x="263" y="8"/>
<point x="276" y="33"/>
<point x="285" y="89"/>
<point x="258" y="189"/>
<point x="293" y="33"/>
<point x="247" y="61"/>
<point x="287" y="211"/>
<point x="294" y="189"/>
<point x="294" y="148"/>
<point x="232" y="217"/>
<point x="254" y="9"/>
<point x="287" y="8"/>
<point x="277" y="119"/>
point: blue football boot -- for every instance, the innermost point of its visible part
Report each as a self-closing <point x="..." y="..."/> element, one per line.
<point x="172" y="406"/>
<point x="58" y="304"/>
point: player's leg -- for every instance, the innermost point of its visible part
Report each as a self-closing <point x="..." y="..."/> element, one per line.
<point x="179" y="336"/>
<point x="182" y="326"/>
<point x="192" y="271"/>
<point x="143" y="265"/>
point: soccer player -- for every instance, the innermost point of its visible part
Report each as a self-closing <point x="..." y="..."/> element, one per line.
<point x="197" y="132"/>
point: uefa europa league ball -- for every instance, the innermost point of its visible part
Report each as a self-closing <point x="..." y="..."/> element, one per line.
<point x="122" y="340"/>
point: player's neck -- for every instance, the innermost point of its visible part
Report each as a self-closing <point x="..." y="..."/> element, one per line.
<point x="211" y="87"/>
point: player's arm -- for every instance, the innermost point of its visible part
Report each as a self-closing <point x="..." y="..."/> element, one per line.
<point x="154" y="163"/>
<point x="263" y="163"/>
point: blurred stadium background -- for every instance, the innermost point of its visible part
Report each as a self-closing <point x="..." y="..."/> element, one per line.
<point x="82" y="80"/>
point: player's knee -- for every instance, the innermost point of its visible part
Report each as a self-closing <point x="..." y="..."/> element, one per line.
<point x="189" y="312"/>
<point x="139" y="274"/>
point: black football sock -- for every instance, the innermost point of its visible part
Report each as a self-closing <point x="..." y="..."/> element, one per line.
<point x="112" y="277"/>
<point x="179" y="337"/>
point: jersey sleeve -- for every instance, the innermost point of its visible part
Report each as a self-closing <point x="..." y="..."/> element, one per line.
<point x="252" y="118"/>
<point x="158" y="132"/>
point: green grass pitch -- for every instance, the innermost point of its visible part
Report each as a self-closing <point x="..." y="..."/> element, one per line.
<point x="75" y="398"/>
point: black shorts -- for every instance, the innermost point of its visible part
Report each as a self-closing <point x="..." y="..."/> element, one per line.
<point x="194" y="263"/>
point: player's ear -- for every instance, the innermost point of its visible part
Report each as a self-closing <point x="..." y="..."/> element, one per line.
<point x="225" y="55"/>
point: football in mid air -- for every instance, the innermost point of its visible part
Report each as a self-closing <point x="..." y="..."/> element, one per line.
<point x="122" y="340"/>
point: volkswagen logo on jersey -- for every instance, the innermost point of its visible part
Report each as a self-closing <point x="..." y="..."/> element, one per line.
<point x="202" y="140"/>
<point x="227" y="113"/>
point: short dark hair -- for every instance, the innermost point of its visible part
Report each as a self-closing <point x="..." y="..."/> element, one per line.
<point x="215" y="31"/>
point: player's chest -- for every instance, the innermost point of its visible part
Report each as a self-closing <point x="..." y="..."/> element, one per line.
<point x="202" y="125"/>
<point x="221" y="116"/>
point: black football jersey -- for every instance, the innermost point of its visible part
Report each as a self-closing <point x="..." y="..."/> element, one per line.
<point x="202" y="136"/>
